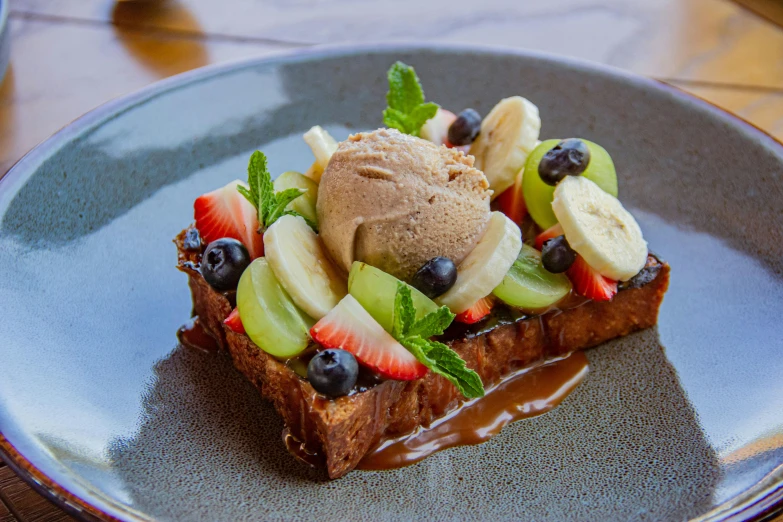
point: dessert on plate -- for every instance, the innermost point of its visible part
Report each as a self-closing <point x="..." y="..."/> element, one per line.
<point x="413" y="269"/>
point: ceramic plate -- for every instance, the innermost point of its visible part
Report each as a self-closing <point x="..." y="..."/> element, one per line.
<point x="103" y="410"/>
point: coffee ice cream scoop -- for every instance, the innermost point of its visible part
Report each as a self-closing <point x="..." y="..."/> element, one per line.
<point x="395" y="201"/>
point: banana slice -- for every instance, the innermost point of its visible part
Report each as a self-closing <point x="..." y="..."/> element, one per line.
<point x="486" y="265"/>
<point x="508" y="134"/>
<point x="299" y="262"/>
<point x="600" y="230"/>
<point x="323" y="146"/>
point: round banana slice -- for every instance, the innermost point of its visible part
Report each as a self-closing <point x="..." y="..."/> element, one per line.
<point x="323" y="146"/>
<point x="302" y="267"/>
<point x="508" y="134"/>
<point x="486" y="265"/>
<point x="600" y="230"/>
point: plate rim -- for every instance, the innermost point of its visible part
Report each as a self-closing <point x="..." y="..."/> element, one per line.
<point x="762" y="502"/>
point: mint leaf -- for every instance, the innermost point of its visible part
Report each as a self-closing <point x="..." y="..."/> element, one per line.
<point x="404" y="312"/>
<point x="406" y="109"/>
<point x="260" y="192"/>
<point x="261" y="187"/>
<point x="444" y="361"/>
<point x="405" y="92"/>
<point x="282" y="199"/>
<point x="432" y="324"/>
<point x="414" y="335"/>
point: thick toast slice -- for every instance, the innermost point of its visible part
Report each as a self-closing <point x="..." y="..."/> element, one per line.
<point x="340" y="432"/>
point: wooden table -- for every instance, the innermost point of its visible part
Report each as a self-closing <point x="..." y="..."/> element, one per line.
<point x="68" y="56"/>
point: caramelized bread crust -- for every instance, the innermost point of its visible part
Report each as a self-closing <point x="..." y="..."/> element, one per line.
<point x="343" y="430"/>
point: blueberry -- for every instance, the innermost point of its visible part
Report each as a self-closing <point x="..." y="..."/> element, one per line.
<point x="333" y="372"/>
<point x="557" y="255"/>
<point x="465" y="128"/>
<point x="645" y="276"/>
<point x="435" y="277"/>
<point x="223" y="262"/>
<point x="569" y="157"/>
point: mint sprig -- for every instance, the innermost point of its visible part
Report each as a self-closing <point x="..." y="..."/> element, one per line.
<point x="407" y="110"/>
<point x="260" y="192"/>
<point x="415" y="336"/>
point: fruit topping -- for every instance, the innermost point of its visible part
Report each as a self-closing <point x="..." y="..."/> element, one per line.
<point x="304" y="205"/>
<point x="223" y="262"/>
<point x="477" y="312"/>
<point x="323" y="146"/>
<point x="599" y="228"/>
<point x="350" y="327"/>
<point x="529" y="286"/>
<point x="192" y="241"/>
<point x="589" y="283"/>
<point x="270" y="317"/>
<point x="302" y="267"/>
<point x="486" y="265"/>
<point x="435" y="277"/>
<point x="234" y="322"/>
<point x="557" y="256"/>
<point x="512" y="201"/>
<point x="333" y="372"/>
<point x="436" y="129"/>
<point x="225" y="213"/>
<point x="550" y="233"/>
<point x="375" y="290"/>
<point x="508" y="134"/>
<point x="464" y="129"/>
<point x="539" y="195"/>
<point x="568" y="158"/>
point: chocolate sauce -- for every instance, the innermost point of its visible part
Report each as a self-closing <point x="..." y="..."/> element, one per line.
<point x="193" y="335"/>
<point x="528" y="393"/>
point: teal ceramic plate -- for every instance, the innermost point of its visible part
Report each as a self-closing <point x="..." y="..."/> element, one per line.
<point x="101" y="409"/>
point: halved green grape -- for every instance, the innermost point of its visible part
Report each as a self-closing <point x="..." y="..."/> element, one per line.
<point x="304" y="204"/>
<point x="529" y="286"/>
<point x="375" y="290"/>
<point x="270" y="317"/>
<point x="539" y="195"/>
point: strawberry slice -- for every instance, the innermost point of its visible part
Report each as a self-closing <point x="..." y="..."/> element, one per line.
<point x="546" y="235"/>
<point x="512" y="201"/>
<point x="350" y="327"/>
<point x="234" y="323"/>
<point x="589" y="283"/>
<point x="477" y="312"/>
<point x="226" y="213"/>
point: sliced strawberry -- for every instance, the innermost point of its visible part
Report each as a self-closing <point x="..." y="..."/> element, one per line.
<point x="234" y="323"/>
<point x="226" y="213"/>
<point x="589" y="283"/>
<point x="512" y="201"/>
<point x="350" y="327"/>
<point x="546" y="235"/>
<point x="477" y="312"/>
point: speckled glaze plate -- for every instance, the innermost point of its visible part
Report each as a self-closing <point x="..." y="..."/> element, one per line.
<point x="102" y="410"/>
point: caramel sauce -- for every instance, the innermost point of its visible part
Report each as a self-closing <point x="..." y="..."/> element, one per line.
<point x="527" y="393"/>
<point x="300" y="451"/>
<point x="193" y="335"/>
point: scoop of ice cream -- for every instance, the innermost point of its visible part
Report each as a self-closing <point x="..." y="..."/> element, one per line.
<point x="395" y="201"/>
